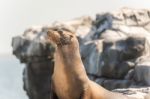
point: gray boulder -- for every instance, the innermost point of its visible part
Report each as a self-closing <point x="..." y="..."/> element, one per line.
<point x="31" y="48"/>
<point x="142" y="72"/>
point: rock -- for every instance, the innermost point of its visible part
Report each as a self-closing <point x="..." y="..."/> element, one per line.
<point x="135" y="47"/>
<point x="102" y="23"/>
<point x="110" y="56"/>
<point x="137" y="93"/>
<point x="92" y="56"/>
<point x="142" y="72"/>
<point x="31" y="48"/>
<point x="37" y="79"/>
<point x="130" y="75"/>
<point x="117" y="56"/>
<point x="115" y="49"/>
<point x="111" y="84"/>
<point x="100" y="81"/>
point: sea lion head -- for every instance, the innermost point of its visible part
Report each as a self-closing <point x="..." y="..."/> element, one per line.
<point x="60" y="36"/>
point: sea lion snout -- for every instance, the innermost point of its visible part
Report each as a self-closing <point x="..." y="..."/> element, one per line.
<point x="60" y="37"/>
<point x="53" y="36"/>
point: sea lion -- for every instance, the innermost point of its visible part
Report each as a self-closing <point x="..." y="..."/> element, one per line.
<point x="70" y="80"/>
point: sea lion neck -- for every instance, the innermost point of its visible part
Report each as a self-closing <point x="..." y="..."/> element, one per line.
<point x="70" y="55"/>
<point x="71" y="60"/>
<point x="69" y="70"/>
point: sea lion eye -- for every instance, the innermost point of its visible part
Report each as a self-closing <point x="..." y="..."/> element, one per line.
<point x="71" y="36"/>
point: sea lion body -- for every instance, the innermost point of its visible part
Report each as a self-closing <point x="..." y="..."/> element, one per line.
<point x="70" y="80"/>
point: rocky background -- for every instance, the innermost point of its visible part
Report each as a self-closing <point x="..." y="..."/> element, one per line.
<point x="115" y="49"/>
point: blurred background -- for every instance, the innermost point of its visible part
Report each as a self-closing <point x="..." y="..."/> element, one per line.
<point x="17" y="15"/>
